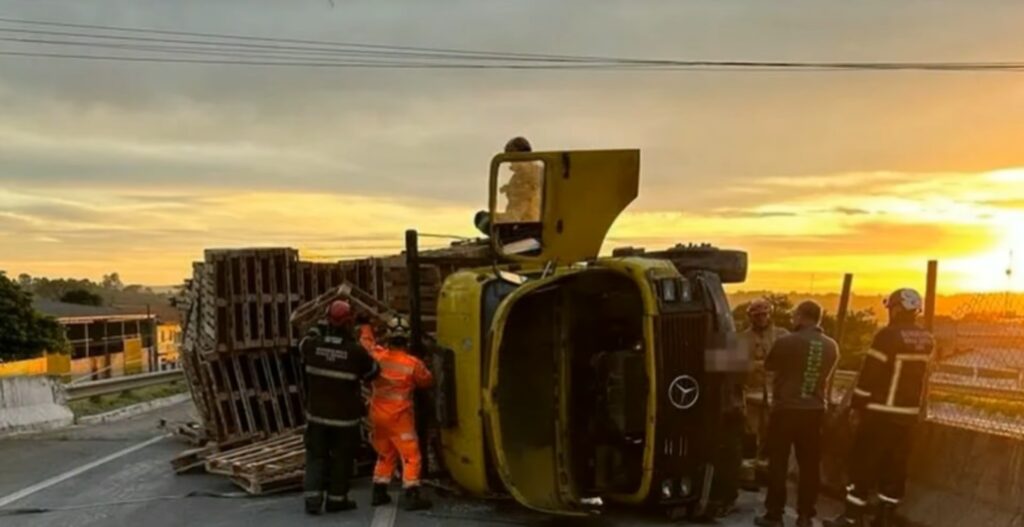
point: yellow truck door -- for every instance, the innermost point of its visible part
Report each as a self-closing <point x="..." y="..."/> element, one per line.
<point x="558" y="206"/>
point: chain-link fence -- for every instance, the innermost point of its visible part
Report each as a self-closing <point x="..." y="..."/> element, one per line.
<point x="977" y="378"/>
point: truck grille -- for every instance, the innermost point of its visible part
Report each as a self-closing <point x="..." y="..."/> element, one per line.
<point x="680" y="339"/>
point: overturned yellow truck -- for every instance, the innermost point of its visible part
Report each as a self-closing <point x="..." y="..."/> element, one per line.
<point x="567" y="379"/>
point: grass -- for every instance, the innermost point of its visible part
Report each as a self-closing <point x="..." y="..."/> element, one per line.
<point x="107" y="403"/>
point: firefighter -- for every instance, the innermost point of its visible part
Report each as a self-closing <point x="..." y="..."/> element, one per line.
<point x="393" y="418"/>
<point x="336" y="365"/>
<point x="758" y="340"/>
<point x="802" y="363"/>
<point x="886" y="405"/>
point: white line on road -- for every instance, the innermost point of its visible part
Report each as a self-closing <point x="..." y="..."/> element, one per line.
<point x="27" y="491"/>
<point x="384" y="516"/>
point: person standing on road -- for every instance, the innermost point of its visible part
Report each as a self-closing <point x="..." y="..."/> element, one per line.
<point x="336" y="364"/>
<point x="758" y="340"/>
<point x="886" y="405"/>
<point x="802" y="363"/>
<point x="394" y="421"/>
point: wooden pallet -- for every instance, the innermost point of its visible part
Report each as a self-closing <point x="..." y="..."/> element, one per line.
<point x="267" y="466"/>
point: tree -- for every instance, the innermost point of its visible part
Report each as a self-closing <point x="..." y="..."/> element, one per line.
<point x="25" y="281"/>
<point x="858" y="332"/>
<point x="112" y="281"/>
<point x="83" y="297"/>
<point x="24" y="332"/>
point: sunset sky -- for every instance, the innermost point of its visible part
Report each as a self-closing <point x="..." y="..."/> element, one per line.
<point x="137" y="168"/>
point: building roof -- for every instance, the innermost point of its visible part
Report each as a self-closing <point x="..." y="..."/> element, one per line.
<point x="64" y="309"/>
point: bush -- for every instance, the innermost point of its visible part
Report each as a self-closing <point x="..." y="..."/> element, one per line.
<point x="24" y="332"/>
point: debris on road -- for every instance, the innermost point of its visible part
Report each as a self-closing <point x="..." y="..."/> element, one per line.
<point x="263" y="467"/>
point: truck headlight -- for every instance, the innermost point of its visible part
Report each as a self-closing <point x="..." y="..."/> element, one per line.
<point x="685" y="487"/>
<point x="666" y="489"/>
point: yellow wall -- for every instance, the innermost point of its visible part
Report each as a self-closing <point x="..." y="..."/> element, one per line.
<point x="23" y="367"/>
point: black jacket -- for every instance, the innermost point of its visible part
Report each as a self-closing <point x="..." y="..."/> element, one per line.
<point x="802" y="363"/>
<point x="892" y="378"/>
<point x="336" y="365"/>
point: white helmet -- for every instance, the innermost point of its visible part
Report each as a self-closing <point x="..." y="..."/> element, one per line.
<point x="905" y="299"/>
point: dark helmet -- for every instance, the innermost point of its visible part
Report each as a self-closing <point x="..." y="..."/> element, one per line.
<point x="905" y="300"/>
<point x="340" y="313"/>
<point x="518" y="144"/>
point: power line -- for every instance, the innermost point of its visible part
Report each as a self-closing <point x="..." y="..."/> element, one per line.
<point x="474" y="66"/>
<point x="247" y="50"/>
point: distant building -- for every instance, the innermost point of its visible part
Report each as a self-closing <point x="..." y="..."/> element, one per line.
<point x="105" y="341"/>
<point x="168" y="344"/>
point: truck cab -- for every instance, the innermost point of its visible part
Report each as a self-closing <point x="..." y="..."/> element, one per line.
<point x="567" y="379"/>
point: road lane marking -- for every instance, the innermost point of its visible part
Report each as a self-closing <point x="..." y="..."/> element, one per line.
<point x="384" y="516"/>
<point x="42" y="485"/>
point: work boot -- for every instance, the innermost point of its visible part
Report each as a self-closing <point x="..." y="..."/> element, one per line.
<point x="314" y="503"/>
<point x="380" y="495"/>
<point x="769" y="521"/>
<point x="414" y="500"/>
<point x="339" y="504"/>
<point x="804" y="521"/>
<point x="885" y="515"/>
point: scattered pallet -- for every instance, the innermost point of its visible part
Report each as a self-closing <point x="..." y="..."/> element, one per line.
<point x="266" y="466"/>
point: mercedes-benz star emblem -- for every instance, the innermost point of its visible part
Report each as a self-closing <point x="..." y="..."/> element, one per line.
<point x="683" y="392"/>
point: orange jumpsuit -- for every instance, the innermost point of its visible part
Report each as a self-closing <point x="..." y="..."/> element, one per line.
<point x="391" y="413"/>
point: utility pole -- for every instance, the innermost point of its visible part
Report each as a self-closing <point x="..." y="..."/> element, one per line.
<point x="1009" y="286"/>
<point x="929" y="295"/>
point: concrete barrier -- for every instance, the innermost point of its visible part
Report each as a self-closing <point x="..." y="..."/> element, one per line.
<point x="32" y="403"/>
<point x="960" y="478"/>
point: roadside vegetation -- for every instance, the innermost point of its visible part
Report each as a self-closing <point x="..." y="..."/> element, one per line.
<point x="107" y="403"/>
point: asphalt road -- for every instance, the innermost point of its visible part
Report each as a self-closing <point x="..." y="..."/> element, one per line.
<point x="134" y="486"/>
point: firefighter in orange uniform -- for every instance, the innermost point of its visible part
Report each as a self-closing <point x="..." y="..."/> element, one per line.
<point x="393" y="418"/>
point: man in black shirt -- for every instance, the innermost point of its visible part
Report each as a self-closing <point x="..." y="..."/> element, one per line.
<point x="886" y="403"/>
<point x="336" y="364"/>
<point x="802" y="363"/>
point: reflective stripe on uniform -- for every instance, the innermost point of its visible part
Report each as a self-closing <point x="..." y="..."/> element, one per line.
<point x="313" y="493"/>
<point x="912" y="356"/>
<point x="391" y="395"/>
<point x="334" y="340"/>
<point x="861" y="393"/>
<point x="410" y="484"/>
<point x="887" y="499"/>
<point x="382" y="480"/>
<point x="397" y="367"/>
<point x="332" y="422"/>
<point x="903" y="410"/>
<point x="894" y="382"/>
<point x="856" y="501"/>
<point x="337" y="498"/>
<point x="322" y="372"/>
<point x="878" y="355"/>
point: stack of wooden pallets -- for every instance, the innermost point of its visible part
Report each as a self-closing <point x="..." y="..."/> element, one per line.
<point x="239" y="349"/>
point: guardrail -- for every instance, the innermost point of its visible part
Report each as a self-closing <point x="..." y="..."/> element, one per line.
<point x="85" y="390"/>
